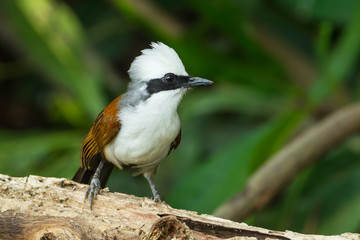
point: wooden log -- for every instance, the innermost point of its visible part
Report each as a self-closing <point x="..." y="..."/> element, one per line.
<point x="50" y="208"/>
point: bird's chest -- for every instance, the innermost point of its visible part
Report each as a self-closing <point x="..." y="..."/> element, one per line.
<point x="145" y="136"/>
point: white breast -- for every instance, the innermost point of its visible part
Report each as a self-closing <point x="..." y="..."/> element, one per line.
<point x="147" y="131"/>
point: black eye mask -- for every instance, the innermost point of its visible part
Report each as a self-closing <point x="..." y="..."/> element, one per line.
<point x="168" y="82"/>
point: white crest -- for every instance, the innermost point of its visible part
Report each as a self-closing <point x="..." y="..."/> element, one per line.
<point x="155" y="62"/>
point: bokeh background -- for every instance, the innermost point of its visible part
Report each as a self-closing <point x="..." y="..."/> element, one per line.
<point x="278" y="67"/>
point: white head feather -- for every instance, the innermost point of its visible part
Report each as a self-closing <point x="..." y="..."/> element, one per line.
<point x="155" y="62"/>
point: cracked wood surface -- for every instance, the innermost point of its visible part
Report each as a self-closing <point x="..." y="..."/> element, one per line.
<point x="50" y="208"/>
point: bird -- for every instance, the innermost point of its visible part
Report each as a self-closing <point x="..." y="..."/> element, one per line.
<point x="141" y="127"/>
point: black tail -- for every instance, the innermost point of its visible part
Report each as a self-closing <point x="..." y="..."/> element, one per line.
<point x="84" y="175"/>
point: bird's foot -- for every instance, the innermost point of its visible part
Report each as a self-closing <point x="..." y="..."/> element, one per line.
<point x="157" y="198"/>
<point x="92" y="191"/>
<point x="154" y="191"/>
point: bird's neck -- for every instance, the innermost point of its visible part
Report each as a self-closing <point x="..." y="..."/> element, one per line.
<point x="159" y="105"/>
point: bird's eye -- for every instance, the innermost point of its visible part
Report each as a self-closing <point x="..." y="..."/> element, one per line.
<point x="169" y="77"/>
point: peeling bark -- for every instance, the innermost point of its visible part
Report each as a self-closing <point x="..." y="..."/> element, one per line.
<point x="50" y="208"/>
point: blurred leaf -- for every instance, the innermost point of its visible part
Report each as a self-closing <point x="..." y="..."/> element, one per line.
<point x="330" y="195"/>
<point x="283" y="128"/>
<point x="203" y="61"/>
<point x="323" y="42"/>
<point x="202" y="188"/>
<point x="338" y="11"/>
<point x="346" y="218"/>
<point x="199" y="57"/>
<point x="152" y="17"/>
<point x="291" y="200"/>
<point x="231" y="21"/>
<point x="65" y="107"/>
<point x="321" y="199"/>
<point x="340" y="62"/>
<point x="225" y="97"/>
<point x="54" y="39"/>
<point x="228" y="167"/>
<point x="34" y="149"/>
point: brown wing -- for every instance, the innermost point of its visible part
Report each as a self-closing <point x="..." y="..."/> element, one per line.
<point x="103" y="131"/>
<point x="175" y="143"/>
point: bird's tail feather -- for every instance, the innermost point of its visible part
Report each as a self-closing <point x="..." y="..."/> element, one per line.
<point x="84" y="175"/>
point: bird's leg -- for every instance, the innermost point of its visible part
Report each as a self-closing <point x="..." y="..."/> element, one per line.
<point x="95" y="184"/>
<point x="149" y="178"/>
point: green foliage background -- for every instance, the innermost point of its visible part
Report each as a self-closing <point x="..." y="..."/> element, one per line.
<point x="278" y="66"/>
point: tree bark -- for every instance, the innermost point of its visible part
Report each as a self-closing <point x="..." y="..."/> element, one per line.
<point x="50" y="208"/>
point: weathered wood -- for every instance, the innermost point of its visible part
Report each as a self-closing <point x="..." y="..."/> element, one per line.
<point x="49" y="208"/>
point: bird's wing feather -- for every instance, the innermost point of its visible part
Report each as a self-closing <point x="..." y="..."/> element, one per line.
<point x="104" y="130"/>
<point x="175" y="143"/>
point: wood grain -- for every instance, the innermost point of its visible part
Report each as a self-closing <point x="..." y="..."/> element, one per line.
<point x="50" y="208"/>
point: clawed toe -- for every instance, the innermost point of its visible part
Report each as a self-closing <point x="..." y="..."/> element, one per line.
<point x="157" y="198"/>
<point x="93" y="190"/>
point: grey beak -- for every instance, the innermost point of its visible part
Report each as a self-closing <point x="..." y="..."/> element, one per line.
<point x="196" y="81"/>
